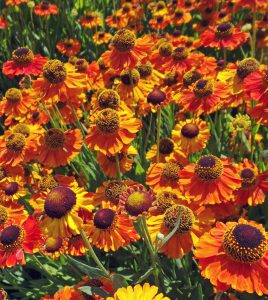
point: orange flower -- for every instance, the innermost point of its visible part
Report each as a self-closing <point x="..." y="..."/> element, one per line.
<point x="76" y="246"/>
<point x="46" y="9"/>
<point x="256" y="85"/>
<point x="54" y="247"/>
<point x="253" y="185"/>
<point x="205" y="96"/>
<point x="116" y="20"/>
<point x="164" y="175"/>
<point x="159" y="22"/>
<point x="101" y="37"/>
<point x="11" y="211"/>
<point x="126" y="50"/>
<point x="18" y="238"/>
<point x="109" y="230"/>
<point x="235" y="255"/>
<point x="60" y="82"/>
<point x="91" y="20"/>
<point x="195" y="221"/>
<point x="3" y="23"/>
<point x="210" y="181"/>
<point x="108" y="162"/>
<point x="111" y="191"/>
<point x="224" y="35"/>
<point x="24" y="62"/>
<point x="15" y="2"/>
<point x="168" y="151"/>
<point x="68" y="293"/>
<point x="69" y="47"/>
<point x="191" y="135"/>
<point x="180" y="16"/>
<point x="112" y="131"/>
<point x="259" y="113"/>
<point x="58" y="148"/>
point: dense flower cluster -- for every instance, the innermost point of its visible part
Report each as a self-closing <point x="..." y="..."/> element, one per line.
<point x="137" y="132"/>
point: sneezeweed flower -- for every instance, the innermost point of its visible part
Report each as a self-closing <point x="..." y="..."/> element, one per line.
<point x="111" y="191"/>
<point x="45" y="8"/>
<point x="91" y="20"/>
<point x="116" y="20"/>
<point x="11" y="211"/>
<point x="75" y="245"/>
<point x="159" y="22"/>
<point x="143" y="292"/>
<point x="132" y="88"/>
<point x="136" y="201"/>
<point x="160" y="53"/>
<point x="256" y="85"/>
<point x="24" y="62"/>
<point x="12" y="189"/>
<point x="61" y="208"/>
<point x="235" y="255"/>
<point x="191" y="135"/>
<point x="108" y="162"/>
<point x="224" y="35"/>
<point x="254" y="184"/>
<point x="110" y="230"/>
<point x="194" y="221"/>
<point x="69" y="47"/>
<point x="156" y="99"/>
<point x="15" y="2"/>
<point x="60" y="82"/>
<point x="58" y="148"/>
<point x="112" y="131"/>
<point x="3" y="23"/>
<point x="101" y="37"/>
<point x="234" y="76"/>
<point x="147" y="72"/>
<point x="16" y="103"/>
<point x="126" y="50"/>
<point x="168" y="150"/>
<point x="162" y="175"/>
<point x="180" y="16"/>
<point x="18" y="238"/>
<point x="240" y="123"/>
<point x="54" y="247"/>
<point x="15" y="149"/>
<point x="66" y="292"/>
<point x="204" y="97"/>
<point x="210" y="180"/>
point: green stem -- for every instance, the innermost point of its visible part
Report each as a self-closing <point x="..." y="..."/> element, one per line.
<point x="158" y="119"/>
<point x="92" y="253"/>
<point x="118" y="171"/>
<point x="254" y="31"/>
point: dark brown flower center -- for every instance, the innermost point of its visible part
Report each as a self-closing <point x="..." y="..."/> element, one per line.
<point x="165" y="49"/>
<point x="190" y="130"/>
<point x="23" y="129"/>
<point x="130" y="77"/>
<point x="11" y="237"/>
<point x="11" y="188"/>
<point x="191" y="77"/>
<point x="170" y="171"/>
<point x="165" y="199"/>
<point x="138" y="202"/>
<point x="246" y="67"/>
<point x="114" y="189"/>
<point x="81" y="64"/>
<point x="104" y="218"/>
<point x="124" y="40"/>
<point x="203" y="88"/>
<point x="107" y="121"/>
<point x="13" y="95"/>
<point x="54" y="138"/>
<point x="245" y="243"/>
<point x="108" y="99"/>
<point x="187" y="218"/>
<point x="47" y="182"/>
<point x="180" y="53"/>
<point x="22" y="56"/>
<point x="166" y="146"/>
<point x="171" y="78"/>
<point x="53" y="244"/>
<point x="248" y="177"/>
<point x="209" y="168"/>
<point x="156" y="97"/>
<point x="59" y="202"/>
<point x="54" y="71"/>
<point x="15" y="142"/>
<point x="224" y="30"/>
<point x="145" y="70"/>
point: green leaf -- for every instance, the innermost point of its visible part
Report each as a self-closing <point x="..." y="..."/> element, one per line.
<point x="90" y="290"/>
<point x="90" y="271"/>
<point x="118" y="281"/>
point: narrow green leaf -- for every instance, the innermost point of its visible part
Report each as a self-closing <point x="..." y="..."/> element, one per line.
<point x="90" y="290"/>
<point x="145" y="275"/>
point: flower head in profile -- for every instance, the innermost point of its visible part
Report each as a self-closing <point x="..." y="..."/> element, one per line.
<point x="235" y="255"/>
<point x="69" y="47"/>
<point x="24" y="62"/>
<point x="45" y="8"/>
